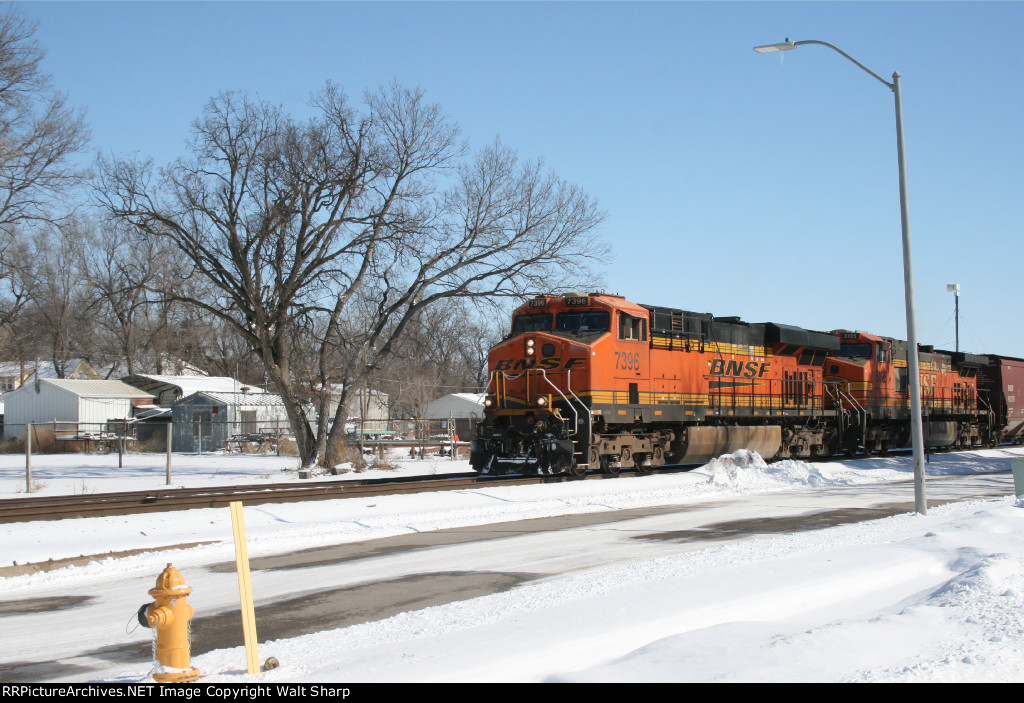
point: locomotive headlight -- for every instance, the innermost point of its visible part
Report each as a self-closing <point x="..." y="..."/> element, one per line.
<point x="489" y="402"/>
<point x="542" y="401"/>
<point x="531" y="347"/>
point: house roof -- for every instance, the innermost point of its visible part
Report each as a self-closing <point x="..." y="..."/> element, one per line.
<point x="12" y="369"/>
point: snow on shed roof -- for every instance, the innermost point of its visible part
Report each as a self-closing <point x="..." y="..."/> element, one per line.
<point x="95" y="389"/>
<point x="471" y="403"/>
<point x="190" y="384"/>
<point x="240" y="398"/>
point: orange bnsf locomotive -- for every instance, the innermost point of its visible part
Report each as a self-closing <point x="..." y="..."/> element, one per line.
<point x="872" y="376"/>
<point x="595" y="382"/>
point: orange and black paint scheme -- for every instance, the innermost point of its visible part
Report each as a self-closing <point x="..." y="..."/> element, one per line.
<point x="872" y="375"/>
<point x="596" y="382"/>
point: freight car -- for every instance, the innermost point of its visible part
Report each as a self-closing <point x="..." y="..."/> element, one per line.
<point x="1001" y="378"/>
<point x="596" y="382"/>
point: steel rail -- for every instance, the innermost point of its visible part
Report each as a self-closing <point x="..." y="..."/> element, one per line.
<point x="63" y="507"/>
<point x="174" y="499"/>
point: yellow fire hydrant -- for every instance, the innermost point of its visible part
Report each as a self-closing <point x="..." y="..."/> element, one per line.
<point x="170" y="614"/>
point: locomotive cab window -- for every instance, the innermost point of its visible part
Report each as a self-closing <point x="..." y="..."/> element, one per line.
<point x="582" y="321"/>
<point x="855" y="351"/>
<point x="634" y="328"/>
<point x="538" y="322"/>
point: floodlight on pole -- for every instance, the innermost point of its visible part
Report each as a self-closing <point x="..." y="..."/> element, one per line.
<point x="954" y="288"/>
<point x="916" y="428"/>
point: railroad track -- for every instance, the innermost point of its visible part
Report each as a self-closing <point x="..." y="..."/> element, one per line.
<point x="172" y="499"/>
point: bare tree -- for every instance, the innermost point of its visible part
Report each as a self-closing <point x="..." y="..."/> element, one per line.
<point x="439" y="353"/>
<point x="38" y="131"/>
<point x="127" y="274"/>
<point x="38" y="134"/>
<point x="336" y="233"/>
<point x="56" y="318"/>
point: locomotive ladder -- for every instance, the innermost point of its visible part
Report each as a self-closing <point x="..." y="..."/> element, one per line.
<point x="590" y="416"/>
<point x="839" y="395"/>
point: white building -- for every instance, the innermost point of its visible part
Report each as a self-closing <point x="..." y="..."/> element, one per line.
<point x="89" y="404"/>
<point x="366" y="408"/>
<point x="169" y="389"/>
<point x="466" y="409"/>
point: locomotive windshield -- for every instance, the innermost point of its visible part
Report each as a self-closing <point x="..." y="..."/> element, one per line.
<point x="583" y="321"/>
<point x="537" y="322"/>
<point x="855" y="351"/>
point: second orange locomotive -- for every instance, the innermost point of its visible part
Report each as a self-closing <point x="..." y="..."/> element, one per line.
<point x="593" y="381"/>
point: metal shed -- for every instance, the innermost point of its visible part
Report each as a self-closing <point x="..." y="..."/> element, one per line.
<point x="466" y="409"/>
<point x="86" y="403"/>
<point x="169" y="389"/>
<point x="205" y="422"/>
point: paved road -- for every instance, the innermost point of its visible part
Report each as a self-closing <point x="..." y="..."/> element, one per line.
<point x="82" y="634"/>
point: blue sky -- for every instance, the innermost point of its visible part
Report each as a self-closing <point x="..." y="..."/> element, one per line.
<point x="763" y="186"/>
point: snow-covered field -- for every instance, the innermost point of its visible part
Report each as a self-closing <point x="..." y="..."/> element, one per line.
<point x="908" y="598"/>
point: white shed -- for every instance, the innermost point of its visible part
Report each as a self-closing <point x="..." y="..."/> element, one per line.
<point x="87" y="403"/>
<point x="464" y="405"/>
<point x="465" y="408"/>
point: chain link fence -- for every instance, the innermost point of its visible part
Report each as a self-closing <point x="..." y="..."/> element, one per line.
<point x="203" y="434"/>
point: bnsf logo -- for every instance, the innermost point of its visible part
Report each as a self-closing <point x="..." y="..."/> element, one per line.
<point x="548" y="364"/>
<point x="751" y="369"/>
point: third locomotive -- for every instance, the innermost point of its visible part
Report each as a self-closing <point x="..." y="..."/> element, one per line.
<point x="593" y="381"/>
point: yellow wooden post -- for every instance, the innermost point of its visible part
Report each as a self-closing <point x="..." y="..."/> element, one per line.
<point x="252" y="656"/>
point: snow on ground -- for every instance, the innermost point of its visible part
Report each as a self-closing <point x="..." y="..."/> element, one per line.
<point x="68" y="474"/>
<point x="908" y="598"/>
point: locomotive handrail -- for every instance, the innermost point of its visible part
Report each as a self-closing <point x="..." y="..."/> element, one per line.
<point x="576" y="417"/>
<point x="861" y="410"/>
<point x="490" y="380"/>
<point x="806" y="399"/>
<point x="590" y="414"/>
<point x="988" y="411"/>
<point x="499" y="394"/>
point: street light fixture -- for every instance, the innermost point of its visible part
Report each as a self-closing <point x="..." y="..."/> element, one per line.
<point x="916" y="431"/>
<point x="955" y="289"/>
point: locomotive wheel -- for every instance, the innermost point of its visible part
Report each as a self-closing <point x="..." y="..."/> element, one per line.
<point x="643" y="464"/>
<point x="609" y="467"/>
<point x="575" y="470"/>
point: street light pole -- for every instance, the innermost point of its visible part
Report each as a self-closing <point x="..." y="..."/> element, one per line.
<point x="916" y="430"/>
<point x="954" y="288"/>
